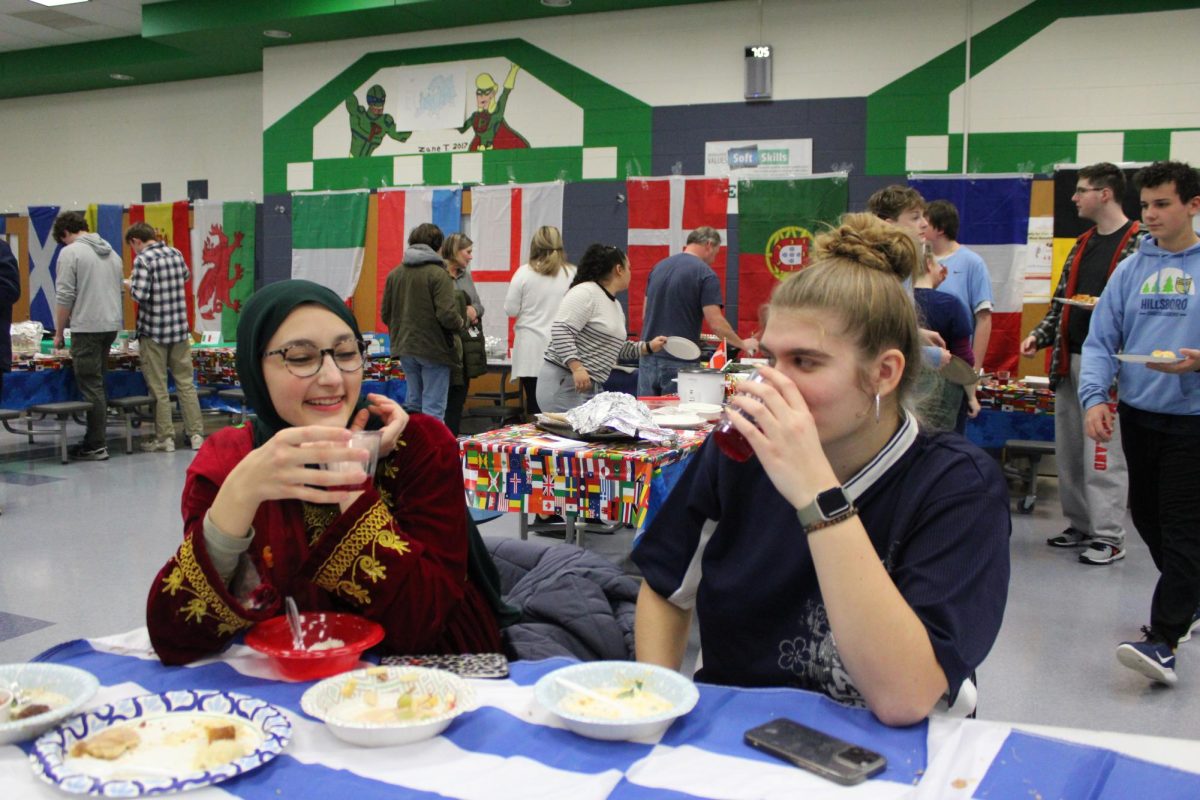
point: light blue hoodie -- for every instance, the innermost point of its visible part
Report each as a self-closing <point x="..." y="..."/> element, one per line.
<point x="1150" y="303"/>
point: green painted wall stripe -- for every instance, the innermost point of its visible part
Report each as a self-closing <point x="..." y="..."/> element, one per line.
<point x="918" y="104"/>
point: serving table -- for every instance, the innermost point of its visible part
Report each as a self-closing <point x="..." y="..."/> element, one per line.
<point x="522" y="469"/>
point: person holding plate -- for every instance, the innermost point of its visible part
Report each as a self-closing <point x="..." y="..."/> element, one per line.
<point x="262" y="522"/>
<point x="856" y="554"/>
<point x="588" y="335"/>
<point x="681" y="293"/>
<point x="1093" y="483"/>
<point x="1150" y="305"/>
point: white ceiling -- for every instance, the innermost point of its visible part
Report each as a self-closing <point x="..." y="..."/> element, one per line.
<point x="70" y="24"/>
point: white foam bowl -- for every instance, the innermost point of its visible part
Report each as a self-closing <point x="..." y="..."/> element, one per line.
<point x="77" y="685"/>
<point x="680" y="692"/>
<point x="320" y="700"/>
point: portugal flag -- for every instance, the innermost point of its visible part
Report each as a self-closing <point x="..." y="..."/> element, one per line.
<point x="777" y="221"/>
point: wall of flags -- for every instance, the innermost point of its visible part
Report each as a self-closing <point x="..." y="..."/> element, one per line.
<point x="351" y="240"/>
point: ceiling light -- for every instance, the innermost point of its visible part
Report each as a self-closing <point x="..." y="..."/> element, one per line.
<point x="275" y="34"/>
<point x="556" y="3"/>
<point x="58" y="2"/>
<point x="120" y="76"/>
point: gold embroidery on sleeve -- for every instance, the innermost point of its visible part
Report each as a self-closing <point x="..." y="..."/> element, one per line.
<point x="188" y="576"/>
<point x="356" y="555"/>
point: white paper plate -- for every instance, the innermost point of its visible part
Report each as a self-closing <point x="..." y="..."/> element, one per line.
<point x="75" y="684"/>
<point x="324" y="700"/>
<point x="677" y="420"/>
<point x="52" y="760"/>
<point x="1134" y="358"/>
<point x="1076" y="303"/>
<point x="683" y="348"/>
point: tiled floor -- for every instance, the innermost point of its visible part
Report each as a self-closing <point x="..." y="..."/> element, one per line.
<point x="80" y="544"/>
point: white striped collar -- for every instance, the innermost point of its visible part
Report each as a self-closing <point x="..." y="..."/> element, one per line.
<point x="885" y="459"/>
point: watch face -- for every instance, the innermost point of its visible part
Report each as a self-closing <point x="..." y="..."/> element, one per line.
<point x="833" y="502"/>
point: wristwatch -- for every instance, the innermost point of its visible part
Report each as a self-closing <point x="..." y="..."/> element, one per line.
<point x="828" y="508"/>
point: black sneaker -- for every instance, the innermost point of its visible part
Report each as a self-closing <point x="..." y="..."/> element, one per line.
<point x="1152" y="657"/>
<point x="81" y="452"/>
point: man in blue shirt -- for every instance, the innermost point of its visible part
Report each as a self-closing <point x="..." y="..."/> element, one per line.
<point x="966" y="273"/>
<point x="1148" y="311"/>
<point x="682" y="292"/>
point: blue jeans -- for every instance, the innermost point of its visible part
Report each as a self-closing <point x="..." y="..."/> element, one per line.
<point x="428" y="383"/>
<point x="656" y="375"/>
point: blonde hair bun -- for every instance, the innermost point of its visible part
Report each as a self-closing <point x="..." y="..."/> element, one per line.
<point x="870" y="242"/>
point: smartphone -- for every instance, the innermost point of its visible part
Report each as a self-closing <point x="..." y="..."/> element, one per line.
<point x="470" y="665"/>
<point x="825" y="755"/>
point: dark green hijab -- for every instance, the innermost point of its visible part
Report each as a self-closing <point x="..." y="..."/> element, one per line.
<point x="262" y="315"/>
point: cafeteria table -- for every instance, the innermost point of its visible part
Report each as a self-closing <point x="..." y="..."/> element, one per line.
<point x="511" y="749"/>
<point x="522" y="469"/>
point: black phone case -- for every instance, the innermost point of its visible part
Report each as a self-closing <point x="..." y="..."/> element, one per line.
<point x="470" y="665"/>
<point x="832" y="758"/>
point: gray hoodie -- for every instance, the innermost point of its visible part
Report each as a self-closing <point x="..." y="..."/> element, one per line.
<point x="89" y="283"/>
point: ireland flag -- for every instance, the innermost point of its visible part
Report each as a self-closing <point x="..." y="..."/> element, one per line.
<point x="223" y="271"/>
<point x="777" y="222"/>
<point x="328" y="238"/>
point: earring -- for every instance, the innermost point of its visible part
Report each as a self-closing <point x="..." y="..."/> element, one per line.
<point x="877" y="406"/>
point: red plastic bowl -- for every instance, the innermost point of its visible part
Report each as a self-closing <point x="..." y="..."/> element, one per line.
<point x="274" y="638"/>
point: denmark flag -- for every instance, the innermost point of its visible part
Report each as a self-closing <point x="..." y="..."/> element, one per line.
<point x="662" y="212"/>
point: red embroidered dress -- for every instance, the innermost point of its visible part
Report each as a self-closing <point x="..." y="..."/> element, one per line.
<point x="397" y="556"/>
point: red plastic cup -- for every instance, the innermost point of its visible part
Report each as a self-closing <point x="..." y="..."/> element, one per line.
<point x="729" y="439"/>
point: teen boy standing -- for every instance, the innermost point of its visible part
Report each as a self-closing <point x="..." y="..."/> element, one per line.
<point x="1151" y="304"/>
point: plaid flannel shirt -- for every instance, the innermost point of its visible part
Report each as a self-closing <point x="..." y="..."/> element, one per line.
<point x="1052" y="330"/>
<point x="158" y="284"/>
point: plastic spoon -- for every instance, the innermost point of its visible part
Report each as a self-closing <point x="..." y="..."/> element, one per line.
<point x="293" y="617"/>
<point x="620" y="708"/>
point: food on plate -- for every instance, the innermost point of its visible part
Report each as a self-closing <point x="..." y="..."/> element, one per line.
<point x="407" y="703"/>
<point x="108" y="745"/>
<point x="32" y="702"/>
<point x="217" y="733"/>
<point x="1164" y="354"/>
<point x="628" y="701"/>
<point x="31" y="710"/>
<point x="325" y="644"/>
<point x="181" y="743"/>
<point x="1090" y="299"/>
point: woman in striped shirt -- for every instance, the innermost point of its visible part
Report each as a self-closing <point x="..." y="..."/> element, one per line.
<point x="588" y="335"/>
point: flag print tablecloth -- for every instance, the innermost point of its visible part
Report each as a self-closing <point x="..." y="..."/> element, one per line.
<point x="512" y="749"/>
<point x="519" y="468"/>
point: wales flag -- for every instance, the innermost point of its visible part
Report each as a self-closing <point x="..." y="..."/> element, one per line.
<point x="777" y="221"/>
<point x="223" y="258"/>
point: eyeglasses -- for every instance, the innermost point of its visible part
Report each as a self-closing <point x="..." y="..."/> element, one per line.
<point x="304" y="360"/>
<point x="1079" y="191"/>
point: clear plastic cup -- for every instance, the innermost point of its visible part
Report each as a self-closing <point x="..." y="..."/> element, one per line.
<point x="365" y="440"/>
<point x="732" y="443"/>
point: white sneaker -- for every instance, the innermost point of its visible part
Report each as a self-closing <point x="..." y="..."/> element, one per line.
<point x="197" y="440"/>
<point x="161" y="445"/>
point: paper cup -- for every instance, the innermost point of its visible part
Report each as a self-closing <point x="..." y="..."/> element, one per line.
<point x="365" y="440"/>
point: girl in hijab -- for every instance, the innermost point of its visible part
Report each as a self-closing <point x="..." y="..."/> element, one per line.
<point x="262" y="521"/>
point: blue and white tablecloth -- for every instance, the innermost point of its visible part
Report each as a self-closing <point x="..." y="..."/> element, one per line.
<point x="511" y="749"/>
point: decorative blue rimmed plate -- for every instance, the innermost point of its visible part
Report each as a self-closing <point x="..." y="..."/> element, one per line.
<point x="185" y="740"/>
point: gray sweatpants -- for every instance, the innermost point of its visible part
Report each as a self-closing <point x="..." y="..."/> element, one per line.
<point x="1093" y="487"/>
